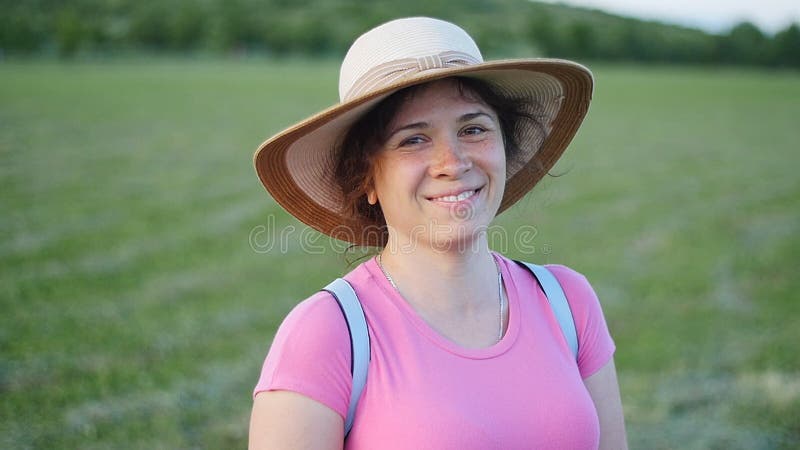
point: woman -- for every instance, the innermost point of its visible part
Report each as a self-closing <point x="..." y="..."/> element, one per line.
<point x="428" y="144"/>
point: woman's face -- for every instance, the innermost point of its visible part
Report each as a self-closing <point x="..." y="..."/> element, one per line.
<point x="440" y="174"/>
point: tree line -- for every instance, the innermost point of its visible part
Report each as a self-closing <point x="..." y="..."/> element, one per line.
<point x="323" y="28"/>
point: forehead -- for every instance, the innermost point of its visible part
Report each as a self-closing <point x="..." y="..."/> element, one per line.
<point x="441" y="94"/>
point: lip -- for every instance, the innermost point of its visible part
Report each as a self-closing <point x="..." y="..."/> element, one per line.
<point x="439" y="198"/>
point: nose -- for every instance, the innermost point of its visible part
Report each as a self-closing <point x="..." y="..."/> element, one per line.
<point x="450" y="160"/>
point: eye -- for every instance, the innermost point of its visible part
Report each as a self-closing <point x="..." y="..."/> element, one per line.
<point x="473" y="130"/>
<point x="413" y="140"/>
<point x="474" y="133"/>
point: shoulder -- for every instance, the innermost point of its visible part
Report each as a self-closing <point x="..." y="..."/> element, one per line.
<point x="595" y="345"/>
<point x="572" y="282"/>
<point x="581" y="296"/>
<point x="317" y="318"/>
<point x="310" y="354"/>
<point x="575" y="285"/>
<point x="313" y="334"/>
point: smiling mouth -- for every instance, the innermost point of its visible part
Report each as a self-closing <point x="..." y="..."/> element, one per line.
<point x="456" y="198"/>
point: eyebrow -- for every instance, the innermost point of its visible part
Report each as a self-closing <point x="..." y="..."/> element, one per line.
<point x="422" y="125"/>
<point x="470" y="116"/>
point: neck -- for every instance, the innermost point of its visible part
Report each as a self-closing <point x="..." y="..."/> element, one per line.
<point x="461" y="279"/>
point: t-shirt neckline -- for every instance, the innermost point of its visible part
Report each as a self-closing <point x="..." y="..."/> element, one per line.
<point x="497" y="349"/>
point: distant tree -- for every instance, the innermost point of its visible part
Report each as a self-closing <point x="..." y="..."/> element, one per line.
<point x="543" y="33"/>
<point x="582" y="40"/>
<point x="235" y="26"/>
<point x="24" y="28"/>
<point x="277" y="36"/>
<point x="69" y="33"/>
<point x="314" y="36"/>
<point x="631" y="42"/>
<point x="150" y="25"/>
<point x="324" y="27"/>
<point x="744" y="44"/>
<point x="186" y="29"/>
<point x="787" y="47"/>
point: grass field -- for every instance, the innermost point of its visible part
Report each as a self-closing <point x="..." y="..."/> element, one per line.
<point x="136" y="314"/>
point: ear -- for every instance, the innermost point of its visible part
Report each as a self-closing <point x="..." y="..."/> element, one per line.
<point x="369" y="184"/>
<point x="372" y="196"/>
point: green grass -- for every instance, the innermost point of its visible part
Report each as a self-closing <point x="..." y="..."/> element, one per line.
<point x="136" y="313"/>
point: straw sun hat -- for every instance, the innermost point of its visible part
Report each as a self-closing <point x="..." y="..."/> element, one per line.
<point x="297" y="165"/>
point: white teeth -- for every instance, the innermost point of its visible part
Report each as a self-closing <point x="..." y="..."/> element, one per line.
<point x="456" y="198"/>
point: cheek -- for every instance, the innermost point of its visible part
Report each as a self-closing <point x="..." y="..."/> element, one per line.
<point x="501" y="154"/>
<point x="501" y="163"/>
<point x="399" y="174"/>
<point x="493" y="157"/>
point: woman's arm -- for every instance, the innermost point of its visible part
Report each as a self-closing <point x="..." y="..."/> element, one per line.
<point x="604" y="390"/>
<point x="283" y="420"/>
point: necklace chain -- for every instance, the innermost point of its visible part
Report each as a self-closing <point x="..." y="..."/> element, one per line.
<point x="499" y="290"/>
<point x="385" y="273"/>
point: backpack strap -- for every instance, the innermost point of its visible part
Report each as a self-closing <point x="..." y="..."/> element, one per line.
<point x="353" y="314"/>
<point x="558" y="303"/>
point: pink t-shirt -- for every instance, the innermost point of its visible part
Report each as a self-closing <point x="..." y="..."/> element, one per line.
<point x="425" y="392"/>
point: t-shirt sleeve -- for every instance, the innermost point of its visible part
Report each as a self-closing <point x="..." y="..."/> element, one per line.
<point x="595" y="345"/>
<point x="310" y="354"/>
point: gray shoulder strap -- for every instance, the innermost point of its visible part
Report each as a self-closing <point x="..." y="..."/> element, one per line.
<point x="558" y="302"/>
<point x="359" y="341"/>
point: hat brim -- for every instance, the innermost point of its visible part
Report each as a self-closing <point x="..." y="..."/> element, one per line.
<point x="296" y="165"/>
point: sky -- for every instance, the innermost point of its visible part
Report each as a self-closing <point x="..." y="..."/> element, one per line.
<point x="710" y="15"/>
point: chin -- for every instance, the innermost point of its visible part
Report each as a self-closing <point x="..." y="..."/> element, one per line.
<point x="456" y="235"/>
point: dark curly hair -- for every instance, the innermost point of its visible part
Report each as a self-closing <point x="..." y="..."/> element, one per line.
<point x="358" y="147"/>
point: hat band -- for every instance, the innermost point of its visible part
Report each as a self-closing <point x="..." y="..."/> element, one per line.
<point x="389" y="72"/>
